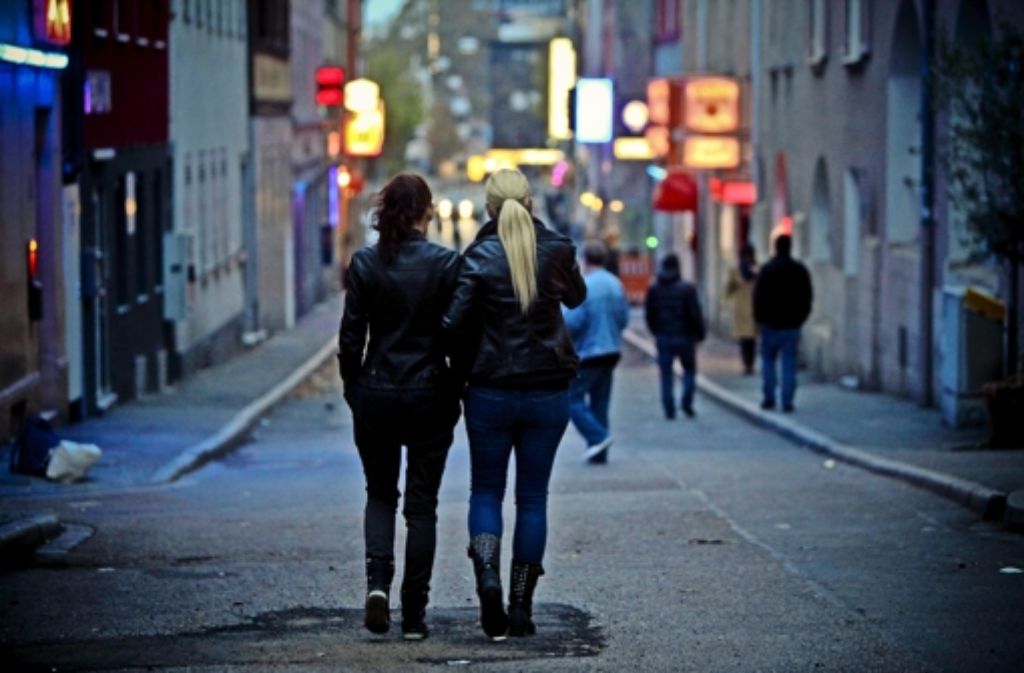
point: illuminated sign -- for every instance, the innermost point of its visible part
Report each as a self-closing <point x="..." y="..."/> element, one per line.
<point x="25" y="56"/>
<point x="364" y="133"/>
<point x="712" y="105"/>
<point x="634" y="149"/>
<point x="362" y="95"/>
<point x="526" y="156"/>
<point x="329" y="80"/>
<point x="561" y="78"/>
<point x="635" y="116"/>
<point x="594" y="107"/>
<point x="53" y="21"/>
<point x="708" y="152"/>
<point x="271" y="79"/>
<point x="663" y="102"/>
<point x="737" y="192"/>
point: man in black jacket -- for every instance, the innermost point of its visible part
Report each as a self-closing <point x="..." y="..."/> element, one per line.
<point x="674" y="317"/>
<point x="782" y="302"/>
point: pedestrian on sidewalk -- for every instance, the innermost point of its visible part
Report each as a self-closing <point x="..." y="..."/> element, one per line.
<point x="740" y="290"/>
<point x="513" y="278"/>
<point x="782" y="303"/>
<point x="596" y="330"/>
<point x="401" y="392"/>
<point x="673" y="314"/>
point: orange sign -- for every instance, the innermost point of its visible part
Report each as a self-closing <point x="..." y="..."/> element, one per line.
<point x="712" y="105"/>
<point x="708" y="152"/>
<point x="53" y="21"/>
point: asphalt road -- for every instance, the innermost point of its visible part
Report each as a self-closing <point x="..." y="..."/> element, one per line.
<point x="705" y="545"/>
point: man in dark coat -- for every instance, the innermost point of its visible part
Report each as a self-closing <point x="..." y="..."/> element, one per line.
<point x="674" y="317"/>
<point x="782" y="302"/>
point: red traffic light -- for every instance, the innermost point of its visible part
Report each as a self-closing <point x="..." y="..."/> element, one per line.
<point x="330" y="81"/>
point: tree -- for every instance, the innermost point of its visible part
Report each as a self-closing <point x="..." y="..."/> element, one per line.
<point x="981" y="87"/>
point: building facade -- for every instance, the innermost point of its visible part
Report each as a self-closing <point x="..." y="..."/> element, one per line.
<point x="35" y="374"/>
<point x="117" y="148"/>
<point x="206" y="252"/>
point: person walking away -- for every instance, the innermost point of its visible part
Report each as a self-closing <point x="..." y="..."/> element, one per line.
<point x="782" y="302"/>
<point x="673" y="314"/>
<point x="401" y="392"/>
<point x="513" y="279"/>
<point x="596" y="330"/>
<point x="740" y="290"/>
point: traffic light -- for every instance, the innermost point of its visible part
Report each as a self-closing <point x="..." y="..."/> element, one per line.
<point x="330" y="80"/>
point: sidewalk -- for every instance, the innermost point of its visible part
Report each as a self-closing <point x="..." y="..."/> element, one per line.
<point x="160" y="437"/>
<point x="882" y="433"/>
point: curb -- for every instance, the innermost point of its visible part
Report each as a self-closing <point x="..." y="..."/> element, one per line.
<point x="234" y="431"/>
<point x="1014" y="517"/>
<point x="989" y="503"/>
<point x="27" y="533"/>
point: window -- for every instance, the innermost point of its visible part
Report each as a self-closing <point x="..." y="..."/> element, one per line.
<point x="817" y="22"/>
<point x="186" y="11"/>
<point x="125" y="17"/>
<point x="123" y="239"/>
<point x="199" y="13"/>
<point x="143" y="236"/>
<point x="857" y="23"/>
<point x="666" y="20"/>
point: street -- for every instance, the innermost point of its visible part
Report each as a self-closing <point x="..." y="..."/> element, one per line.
<point x="706" y="545"/>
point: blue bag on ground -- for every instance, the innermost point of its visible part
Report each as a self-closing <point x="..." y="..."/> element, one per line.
<point x="33" y="444"/>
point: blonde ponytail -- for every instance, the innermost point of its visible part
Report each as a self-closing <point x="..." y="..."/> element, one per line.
<point x="508" y="192"/>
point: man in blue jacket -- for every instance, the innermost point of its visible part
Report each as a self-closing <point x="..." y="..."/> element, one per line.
<point x="596" y="330"/>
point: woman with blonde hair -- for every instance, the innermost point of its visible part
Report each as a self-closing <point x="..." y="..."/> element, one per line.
<point x="519" y="362"/>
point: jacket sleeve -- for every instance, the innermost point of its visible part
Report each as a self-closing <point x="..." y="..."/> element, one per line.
<point x="621" y="306"/>
<point x="650" y="311"/>
<point x="354" y="324"/>
<point x="574" y="285"/>
<point x="467" y="287"/>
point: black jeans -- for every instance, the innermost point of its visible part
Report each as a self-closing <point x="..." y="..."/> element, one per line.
<point x="385" y="421"/>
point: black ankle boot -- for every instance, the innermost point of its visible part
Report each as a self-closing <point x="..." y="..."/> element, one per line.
<point x="485" y="550"/>
<point x="414" y="608"/>
<point x="379" y="573"/>
<point x="522" y="583"/>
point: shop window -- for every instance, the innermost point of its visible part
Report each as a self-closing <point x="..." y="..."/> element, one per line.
<point x="143" y="235"/>
<point x="122" y="242"/>
<point x="817" y="42"/>
<point x="857" y="31"/>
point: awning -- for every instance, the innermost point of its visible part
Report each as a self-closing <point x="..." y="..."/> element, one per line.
<point x="676" y="193"/>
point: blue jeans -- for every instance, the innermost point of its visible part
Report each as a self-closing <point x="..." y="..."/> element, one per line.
<point x="529" y="423"/>
<point x="773" y="343"/>
<point x="589" y="396"/>
<point x="669" y="349"/>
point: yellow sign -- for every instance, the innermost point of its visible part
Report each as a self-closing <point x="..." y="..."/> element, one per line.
<point x="659" y="139"/>
<point x="712" y="105"/>
<point x="629" y="148"/>
<point x="476" y="167"/>
<point x="707" y="152"/>
<point x="527" y="156"/>
<point x="364" y="133"/>
<point x="561" y="78"/>
<point x="361" y="95"/>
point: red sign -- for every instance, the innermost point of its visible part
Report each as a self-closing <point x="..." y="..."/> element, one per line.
<point x="737" y="192"/>
<point x="330" y="81"/>
<point x="53" y="21"/>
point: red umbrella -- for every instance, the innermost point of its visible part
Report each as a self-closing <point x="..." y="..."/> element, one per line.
<point x="676" y="193"/>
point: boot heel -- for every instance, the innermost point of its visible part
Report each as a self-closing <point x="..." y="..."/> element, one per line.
<point x="378" y="617"/>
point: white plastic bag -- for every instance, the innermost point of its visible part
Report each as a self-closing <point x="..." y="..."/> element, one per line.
<point x="71" y="460"/>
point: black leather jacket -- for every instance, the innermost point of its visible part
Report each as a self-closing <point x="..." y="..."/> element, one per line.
<point x="498" y="345"/>
<point x="401" y="304"/>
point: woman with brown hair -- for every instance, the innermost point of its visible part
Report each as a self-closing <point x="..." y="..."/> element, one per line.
<point x="397" y="292"/>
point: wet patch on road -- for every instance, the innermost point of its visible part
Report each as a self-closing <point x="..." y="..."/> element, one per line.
<point x="321" y="637"/>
